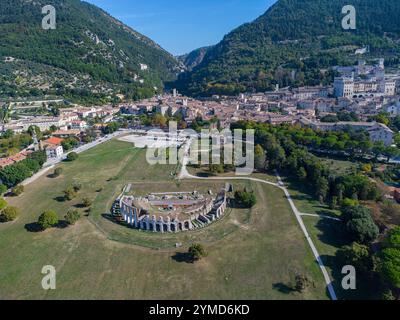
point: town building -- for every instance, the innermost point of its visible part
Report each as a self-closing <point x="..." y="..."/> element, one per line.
<point x="378" y="132"/>
<point x="53" y="147"/>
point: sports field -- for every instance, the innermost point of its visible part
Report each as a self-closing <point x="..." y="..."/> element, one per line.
<point x="253" y="254"/>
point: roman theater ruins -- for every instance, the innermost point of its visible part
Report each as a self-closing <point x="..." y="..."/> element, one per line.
<point x="170" y="211"/>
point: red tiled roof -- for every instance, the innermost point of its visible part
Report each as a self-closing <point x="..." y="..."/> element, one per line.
<point x="54" y="140"/>
<point x="14" y="159"/>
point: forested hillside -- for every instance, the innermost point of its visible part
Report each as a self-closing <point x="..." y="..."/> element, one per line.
<point x="90" y="55"/>
<point x="294" y="43"/>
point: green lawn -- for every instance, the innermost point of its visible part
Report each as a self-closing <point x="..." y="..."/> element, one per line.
<point x="329" y="238"/>
<point x="305" y="202"/>
<point x="253" y="254"/>
<point x="339" y="166"/>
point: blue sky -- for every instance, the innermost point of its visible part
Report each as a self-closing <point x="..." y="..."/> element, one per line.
<point x="180" y="26"/>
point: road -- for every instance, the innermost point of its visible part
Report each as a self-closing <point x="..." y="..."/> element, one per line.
<point x="184" y="174"/>
<point x="85" y="147"/>
<point x="52" y="163"/>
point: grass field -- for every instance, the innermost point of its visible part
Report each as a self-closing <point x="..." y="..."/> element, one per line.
<point x="329" y="238"/>
<point x="253" y="254"/>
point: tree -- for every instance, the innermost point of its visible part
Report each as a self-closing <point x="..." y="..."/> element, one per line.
<point x="393" y="238"/>
<point x="72" y="156"/>
<point x="69" y="143"/>
<point x="333" y="202"/>
<point x="70" y="193"/>
<point x="382" y="118"/>
<point x="34" y="130"/>
<point x="347" y="203"/>
<point x="378" y="149"/>
<point x="388" y="266"/>
<point x="387" y="295"/>
<point x="3" y="203"/>
<point x="302" y="283"/>
<point x="197" y="251"/>
<point x="159" y="120"/>
<point x="359" y="224"/>
<point x="111" y="128"/>
<point x="77" y="186"/>
<point x="72" y="217"/>
<point x="18" y="190"/>
<point x="357" y="255"/>
<point x="216" y="168"/>
<point x="321" y="188"/>
<point x="48" y="219"/>
<point x="246" y="199"/>
<point x="355" y="212"/>
<point x="3" y="189"/>
<point x="302" y="174"/>
<point x="259" y="158"/>
<point x="87" y="202"/>
<point x="363" y="230"/>
<point x="367" y="168"/>
<point x="390" y="152"/>
<point x="10" y="214"/>
<point x="58" y="172"/>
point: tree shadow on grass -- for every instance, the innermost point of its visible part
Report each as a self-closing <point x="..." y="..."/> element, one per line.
<point x="60" y="199"/>
<point x="62" y="224"/>
<point x="204" y="174"/>
<point x="183" y="257"/>
<point x="283" y="288"/>
<point x="33" y="227"/>
<point x="36" y="227"/>
<point x="332" y="233"/>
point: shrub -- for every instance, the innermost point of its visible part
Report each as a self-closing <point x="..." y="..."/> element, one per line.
<point x="18" y="190"/>
<point x="48" y="219"/>
<point x="3" y="204"/>
<point x="357" y="255"/>
<point x="367" y="168"/>
<point x="77" y="186"/>
<point x="86" y="202"/>
<point x="58" y="172"/>
<point x="10" y="214"/>
<point x="3" y="189"/>
<point x="72" y="216"/>
<point x="197" y="251"/>
<point x="302" y="283"/>
<point x="349" y="203"/>
<point x="72" y="156"/>
<point x="393" y="238"/>
<point x="246" y="199"/>
<point x="70" y="193"/>
<point x="388" y="266"/>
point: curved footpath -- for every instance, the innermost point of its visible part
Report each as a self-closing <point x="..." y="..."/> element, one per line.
<point x="184" y="174"/>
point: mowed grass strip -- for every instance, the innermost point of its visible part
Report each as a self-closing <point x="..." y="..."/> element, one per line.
<point x="253" y="254"/>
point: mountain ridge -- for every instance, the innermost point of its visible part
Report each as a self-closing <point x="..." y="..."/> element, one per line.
<point x="294" y="43"/>
<point x="103" y="56"/>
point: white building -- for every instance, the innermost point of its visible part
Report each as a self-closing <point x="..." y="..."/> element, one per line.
<point x="344" y="87"/>
<point x="54" y="151"/>
<point x="364" y="80"/>
<point x="78" y="125"/>
<point x="378" y="132"/>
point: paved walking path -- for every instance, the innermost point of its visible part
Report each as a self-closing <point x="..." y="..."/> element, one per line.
<point x="52" y="163"/>
<point x="184" y="174"/>
<point x="320" y="216"/>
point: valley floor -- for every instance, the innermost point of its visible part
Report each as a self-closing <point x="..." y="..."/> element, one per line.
<point x="253" y="254"/>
